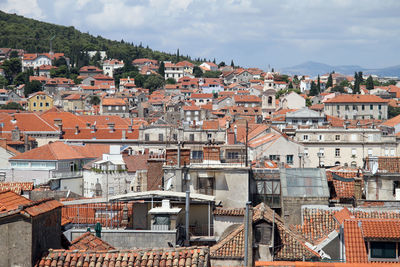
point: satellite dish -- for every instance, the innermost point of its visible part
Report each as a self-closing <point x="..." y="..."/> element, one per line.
<point x="169" y="185"/>
<point x="375" y="167"/>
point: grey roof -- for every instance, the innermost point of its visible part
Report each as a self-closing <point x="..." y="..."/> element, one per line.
<point x="305" y="113"/>
<point x="304" y="182"/>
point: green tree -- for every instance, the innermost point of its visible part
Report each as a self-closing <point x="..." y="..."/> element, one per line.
<point x="3" y="82"/>
<point x="308" y="102"/>
<point x="313" y="89"/>
<point x="153" y="82"/>
<point x="296" y="79"/>
<point x="161" y="69"/>
<point x="221" y="64"/>
<point x="232" y="64"/>
<point x="32" y="87"/>
<point x="290" y="85"/>
<point x="177" y="56"/>
<point x="170" y="81"/>
<point x="23" y="77"/>
<point x="369" y="84"/>
<point x="197" y="72"/>
<point x="212" y="74"/>
<point x="60" y="62"/>
<point x="94" y="100"/>
<point x="14" y="54"/>
<point x="11" y="68"/>
<point x="329" y="83"/>
<point x="356" y="87"/>
<point x="393" y="111"/>
<point x="360" y="77"/>
<point x="319" y="84"/>
<point x="12" y="105"/>
<point x="338" y="88"/>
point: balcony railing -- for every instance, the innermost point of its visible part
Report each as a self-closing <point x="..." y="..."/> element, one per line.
<point x="73" y="174"/>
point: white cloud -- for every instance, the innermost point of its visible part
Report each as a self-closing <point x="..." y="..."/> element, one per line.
<point x="28" y="8"/>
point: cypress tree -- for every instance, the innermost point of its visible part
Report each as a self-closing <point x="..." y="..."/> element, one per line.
<point x="356" y="89"/>
<point x="369" y="83"/>
<point x="232" y="64"/>
<point x="313" y="90"/>
<point x="329" y="83"/>
<point x="161" y="69"/>
<point x="319" y="84"/>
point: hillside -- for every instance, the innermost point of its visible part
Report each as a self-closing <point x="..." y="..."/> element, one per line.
<point x="314" y="68"/>
<point x="34" y="36"/>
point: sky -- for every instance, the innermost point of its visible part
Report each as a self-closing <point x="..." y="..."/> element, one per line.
<point x="252" y="33"/>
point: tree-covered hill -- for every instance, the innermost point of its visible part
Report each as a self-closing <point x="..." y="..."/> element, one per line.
<point x="34" y="37"/>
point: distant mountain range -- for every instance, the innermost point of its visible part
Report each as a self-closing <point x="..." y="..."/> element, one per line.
<point x="314" y="68"/>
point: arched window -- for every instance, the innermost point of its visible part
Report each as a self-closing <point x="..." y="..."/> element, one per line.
<point x="337" y="163"/>
<point x="353" y="164"/>
<point x="270" y="100"/>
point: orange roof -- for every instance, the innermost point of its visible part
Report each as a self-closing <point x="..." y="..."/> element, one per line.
<point x="354" y="242"/>
<point x="185" y="64"/>
<point x="191" y="108"/>
<point x="103" y="134"/>
<point x="201" y="96"/>
<point x="356" y="99"/>
<point x="26" y="122"/>
<point x="343" y="214"/>
<point x="61" y="151"/>
<point x="90" y="69"/>
<point x="246" y="98"/>
<point x="11" y="201"/>
<point x="392" y="122"/>
<point x="89" y="241"/>
<point x="113" y="102"/>
<point x="210" y="125"/>
<point x="16" y="187"/>
<point x="381" y="229"/>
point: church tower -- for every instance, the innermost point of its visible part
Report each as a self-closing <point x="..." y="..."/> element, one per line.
<point x="268" y="96"/>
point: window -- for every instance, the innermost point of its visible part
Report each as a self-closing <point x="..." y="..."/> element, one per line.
<point x="383" y="250"/>
<point x="305" y="137"/>
<point x="392" y="152"/>
<point x="289" y="159"/>
<point x="209" y="136"/>
<point x="306" y="151"/>
<point x="294" y="121"/>
<point x="346" y="107"/>
<point x="147" y="137"/>
<point x="109" y="107"/>
<point x="337" y="152"/>
<point x="353" y="152"/>
<point x="160" y="137"/>
<point x="197" y="154"/>
<point x="380" y="107"/>
<point x="233" y="155"/>
<point x="386" y="152"/>
<point x="369" y="152"/>
<point x="41" y="104"/>
<point x="175" y="136"/>
<point x="34" y="104"/>
<point x="337" y="137"/>
<point x="363" y="107"/>
<point x="206" y="185"/>
<point x="274" y="157"/>
<point x="320" y="137"/>
<point x="354" y="107"/>
<point x="161" y="219"/>
<point x="191" y="137"/>
<point x="371" y="107"/>
<point x="337" y="107"/>
<point x="322" y="151"/>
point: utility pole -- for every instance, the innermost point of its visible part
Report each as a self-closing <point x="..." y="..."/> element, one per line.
<point x="247" y="135"/>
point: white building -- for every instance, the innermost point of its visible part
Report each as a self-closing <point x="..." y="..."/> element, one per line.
<point x="110" y="65"/>
<point x="173" y="71"/>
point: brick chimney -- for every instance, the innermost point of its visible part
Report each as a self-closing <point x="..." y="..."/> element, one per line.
<point x="172" y="156"/>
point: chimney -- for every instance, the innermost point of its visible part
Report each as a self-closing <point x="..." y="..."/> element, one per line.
<point x="111" y="126"/>
<point x="129" y="128"/>
<point x="15" y="134"/>
<point x="57" y="121"/>
<point x="88" y="124"/>
<point x="77" y="129"/>
<point x="123" y="135"/>
<point x="93" y="127"/>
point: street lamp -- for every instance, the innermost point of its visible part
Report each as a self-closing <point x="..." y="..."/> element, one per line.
<point x="320" y="155"/>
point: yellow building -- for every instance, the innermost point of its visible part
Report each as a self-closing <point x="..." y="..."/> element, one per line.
<point x="40" y="101"/>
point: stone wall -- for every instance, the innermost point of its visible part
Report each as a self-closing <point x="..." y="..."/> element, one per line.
<point x="292" y="207"/>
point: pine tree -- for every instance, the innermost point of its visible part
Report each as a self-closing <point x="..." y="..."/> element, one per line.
<point x="177" y="56"/>
<point x="313" y="90"/>
<point x="319" y="84"/>
<point x="329" y="83"/>
<point x="272" y="70"/>
<point x="369" y="83"/>
<point x="214" y="61"/>
<point x="232" y="64"/>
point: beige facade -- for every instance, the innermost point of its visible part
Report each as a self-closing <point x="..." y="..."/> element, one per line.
<point x="340" y="146"/>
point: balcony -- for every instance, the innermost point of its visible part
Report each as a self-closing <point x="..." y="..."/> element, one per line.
<point x="60" y="174"/>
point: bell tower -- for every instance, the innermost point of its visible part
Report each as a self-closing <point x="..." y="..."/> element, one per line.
<point x="268" y="96"/>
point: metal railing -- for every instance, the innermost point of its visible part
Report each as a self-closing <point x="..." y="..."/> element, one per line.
<point x="59" y="174"/>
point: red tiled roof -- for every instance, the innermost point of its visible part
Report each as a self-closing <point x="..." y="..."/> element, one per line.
<point x="229" y="211"/>
<point x="356" y="99"/>
<point x="201" y="96"/>
<point x="113" y="102"/>
<point x="354" y="242"/>
<point x="90" y="69"/>
<point x="246" y="98"/>
<point x="381" y="229"/>
<point x="89" y="241"/>
<point x="26" y="122"/>
<point x="11" y="201"/>
<point x="343" y="214"/>
<point x="16" y="187"/>
<point x="187" y="256"/>
<point x="292" y="246"/>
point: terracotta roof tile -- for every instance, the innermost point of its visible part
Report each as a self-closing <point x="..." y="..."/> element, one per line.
<point x="343" y="214"/>
<point x="11" y="201"/>
<point x="356" y="99"/>
<point x="354" y="242"/>
<point x="89" y="241"/>
<point x="16" y="187"/>
<point x="188" y="256"/>
<point x="292" y="246"/>
<point x="229" y="211"/>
